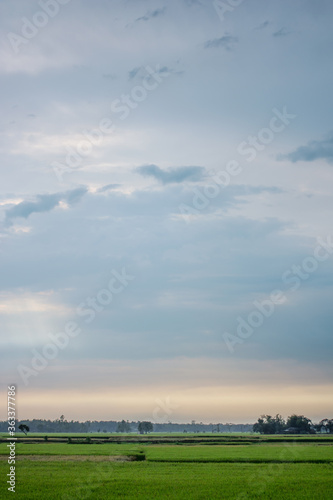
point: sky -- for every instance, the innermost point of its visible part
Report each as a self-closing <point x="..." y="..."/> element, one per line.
<point x="166" y="241"/>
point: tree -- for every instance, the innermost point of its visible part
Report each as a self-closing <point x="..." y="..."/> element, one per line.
<point x="24" y="428"/>
<point x="145" y="427"/>
<point x="326" y="425"/>
<point x="329" y="425"/>
<point x="123" y="426"/>
<point x="301" y="423"/>
<point x="267" y="424"/>
<point x="229" y="424"/>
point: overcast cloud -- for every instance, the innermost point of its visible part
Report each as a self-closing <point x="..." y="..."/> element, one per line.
<point x="156" y="138"/>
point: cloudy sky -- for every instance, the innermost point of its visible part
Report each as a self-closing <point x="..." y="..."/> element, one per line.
<point x="166" y="168"/>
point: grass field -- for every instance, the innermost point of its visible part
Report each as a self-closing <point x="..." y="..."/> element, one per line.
<point x="277" y="469"/>
<point x="320" y="453"/>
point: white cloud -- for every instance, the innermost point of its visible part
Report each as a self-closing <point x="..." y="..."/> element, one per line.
<point x="27" y="302"/>
<point x="190" y="278"/>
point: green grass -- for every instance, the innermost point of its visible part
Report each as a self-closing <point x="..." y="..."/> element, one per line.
<point x="71" y="449"/>
<point x="260" y="453"/>
<point x="195" y="453"/>
<point x="263" y="469"/>
<point x="152" y="481"/>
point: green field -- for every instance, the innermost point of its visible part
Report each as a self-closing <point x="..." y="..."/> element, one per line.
<point x="262" y="468"/>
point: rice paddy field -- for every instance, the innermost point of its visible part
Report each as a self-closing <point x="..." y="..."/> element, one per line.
<point x="170" y="467"/>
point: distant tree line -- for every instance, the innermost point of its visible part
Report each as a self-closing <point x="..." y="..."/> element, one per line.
<point x="266" y="424"/>
<point x="194" y="427"/>
<point x="295" y="424"/>
<point x="124" y="426"/>
<point x="142" y="427"/>
<point x="62" y="425"/>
